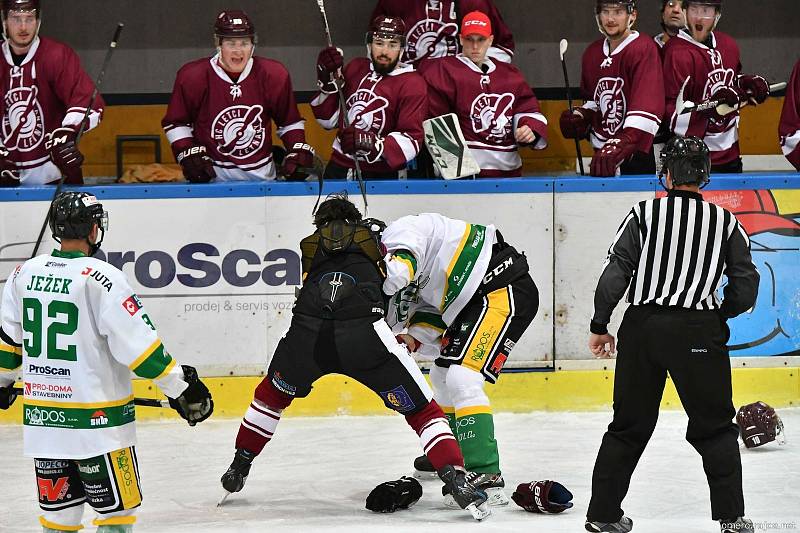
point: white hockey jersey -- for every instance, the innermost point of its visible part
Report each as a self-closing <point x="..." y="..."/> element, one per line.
<point x="78" y="330"/>
<point x="444" y="258"/>
<point x="408" y="314"/>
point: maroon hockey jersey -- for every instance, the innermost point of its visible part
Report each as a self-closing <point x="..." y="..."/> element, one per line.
<point x="233" y="119"/>
<point x="432" y="27"/>
<point x="48" y="90"/>
<point x="393" y="107"/>
<point x="626" y="89"/>
<point x="490" y="103"/>
<point x="708" y="69"/>
<point x="789" y="127"/>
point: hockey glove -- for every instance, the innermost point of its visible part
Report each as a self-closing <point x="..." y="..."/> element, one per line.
<point x="7" y="396"/>
<point x="195" y="404"/>
<point x="756" y="87"/>
<point x="61" y="143"/>
<point x="613" y="153"/>
<point x="410" y="342"/>
<point x="546" y="496"/>
<point x="197" y="166"/>
<point x="393" y="495"/>
<point x="575" y="124"/>
<point x="9" y="175"/>
<point x="301" y="156"/>
<point x="365" y="144"/>
<point x="729" y="96"/>
<point x="329" y="63"/>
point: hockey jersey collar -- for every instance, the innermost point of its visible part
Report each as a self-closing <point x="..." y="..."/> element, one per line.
<point x="468" y="62"/>
<point x="628" y="40"/>
<point x="683" y="34"/>
<point x="401" y="68"/>
<point x="28" y="56"/>
<point x="224" y="75"/>
<point x="67" y="255"/>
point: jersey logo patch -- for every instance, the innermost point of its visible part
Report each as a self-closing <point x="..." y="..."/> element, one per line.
<point x="431" y="38"/>
<point x="52" y="491"/>
<point x="717" y="79"/>
<point x="23" y="123"/>
<point x="611" y="103"/>
<point x="132" y="304"/>
<point x="367" y="111"/>
<point x="238" y="131"/>
<point x="492" y="116"/>
<point x="399" y="399"/>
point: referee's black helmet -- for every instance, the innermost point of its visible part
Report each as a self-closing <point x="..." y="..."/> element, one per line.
<point x="687" y="160"/>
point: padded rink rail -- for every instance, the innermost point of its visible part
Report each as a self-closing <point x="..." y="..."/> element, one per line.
<point x="216" y="266"/>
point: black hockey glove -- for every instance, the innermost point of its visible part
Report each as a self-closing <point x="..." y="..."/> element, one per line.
<point x="7" y="396"/>
<point x="546" y="496"/>
<point x="393" y="495"/>
<point x="197" y="166"/>
<point x="195" y="404"/>
<point x="9" y="175"/>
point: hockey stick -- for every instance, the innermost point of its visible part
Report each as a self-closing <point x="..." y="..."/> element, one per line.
<point x="143" y="402"/>
<point x="98" y="82"/>
<point x="720" y="105"/>
<point x="342" y="106"/>
<point x="562" y="49"/>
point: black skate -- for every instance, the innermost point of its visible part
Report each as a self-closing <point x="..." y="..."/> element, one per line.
<point x="465" y="495"/>
<point x="423" y="469"/>
<point x="233" y="480"/>
<point x="624" y="525"/>
<point x="491" y="484"/>
<point x="740" y="525"/>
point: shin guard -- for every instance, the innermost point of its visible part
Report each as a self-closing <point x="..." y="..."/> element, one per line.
<point x="436" y="437"/>
<point x="262" y="417"/>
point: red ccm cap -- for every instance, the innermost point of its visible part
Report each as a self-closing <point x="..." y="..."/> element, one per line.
<point x="476" y="23"/>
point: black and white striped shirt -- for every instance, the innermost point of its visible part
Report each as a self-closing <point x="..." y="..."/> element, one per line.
<point x="673" y="251"/>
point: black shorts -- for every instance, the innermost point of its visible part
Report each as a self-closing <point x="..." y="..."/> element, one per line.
<point x="364" y="349"/>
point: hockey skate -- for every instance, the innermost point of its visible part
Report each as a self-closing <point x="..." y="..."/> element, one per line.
<point x="491" y="484"/>
<point x="740" y="525"/>
<point x="234" y="478"/>
<point x="465" y="495"/>
<point x="423" y="469"/>
<point x="624" y="525"/>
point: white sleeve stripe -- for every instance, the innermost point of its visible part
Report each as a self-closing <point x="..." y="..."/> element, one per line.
<point x="647" y="125"/>
<point x="295" y="126"/>
<point x="409" y="146"/>
<point x="535" y="116"/>
<point x="680" y="123"/>
<point x="176" y="133"/>
<point x="591" y="105"/>
<point x="74" y="118"/>
<point x="319" y="99"/>
<point x="790" y="143"/>
<point x="645" y="114"/>
<point x="329" y="123"/>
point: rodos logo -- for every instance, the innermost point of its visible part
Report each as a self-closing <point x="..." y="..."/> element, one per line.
<point x="44" y="416"/>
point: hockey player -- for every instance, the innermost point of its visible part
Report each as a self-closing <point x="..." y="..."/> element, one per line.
<point x="622" y="87"/>
<point x="496" y="108"/>
<point x="78" y="330"/>
<point x="432" y="27"/>
<point x="338" y="327"/>
<point x="789" y="127"/>
<point x="462" y="282"/>
<point x="45" y="95"/>
<point x="219" y="119"/>
<point x="385" y="102"/>
<point x="709" y="60"/>
<point x="676" y="323"/>
<point x="672" y="21"/>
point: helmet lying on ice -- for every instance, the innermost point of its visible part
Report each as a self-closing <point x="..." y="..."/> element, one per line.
<point x="759" y="424"/>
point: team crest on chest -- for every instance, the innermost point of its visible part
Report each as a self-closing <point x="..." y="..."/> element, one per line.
<point x="611" y="103"/>
<point x="239" y="130"/>
<point x="23" y="121"/>
<point x="431" y="38"/>
<point x="492" y="115"/>
<point x="366" y="110"/>
<point x="717" y="79"/>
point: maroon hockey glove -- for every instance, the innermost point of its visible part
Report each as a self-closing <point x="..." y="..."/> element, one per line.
<point x="543" y="497"/>
<point x="65" y="154"/>
<point x="756" y="87"/>
<point x="365" y="144"/>
<point x="329" y="62"/>
<point x="195" y="404"/>
<point x="7" y="396"/>
<point x="300" y="157"/>
<point x="9" y="175"/>
<point x="613" y="153"/>
<point x="730" y="96"/>
<point x="393" y="495"/>
<point x="197" y="166"/>
<point x="575" y="124"/>
<point x="410" y="342"/>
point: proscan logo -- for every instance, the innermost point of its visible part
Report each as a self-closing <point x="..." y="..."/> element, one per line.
<point x="48" y="371"/>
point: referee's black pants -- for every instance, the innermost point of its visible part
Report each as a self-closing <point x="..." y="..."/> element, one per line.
<point x="690" y="345"/>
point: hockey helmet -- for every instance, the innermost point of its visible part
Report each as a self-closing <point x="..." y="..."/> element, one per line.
<point x="234" y="23"/>
<point x="630" y="5"/>
<point x="21" y="5"/>
<point x="73" y="215"/>
<point x="687" y="160"/>
<point x="387" y="27"/>
<point x="715" y="3"/>
<point x="759" y="424"/>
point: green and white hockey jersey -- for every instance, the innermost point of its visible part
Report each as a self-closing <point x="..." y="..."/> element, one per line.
<point x="77" y="329"/>
<point x="444" y="258"/>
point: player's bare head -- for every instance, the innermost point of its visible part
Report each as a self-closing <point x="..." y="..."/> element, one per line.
<point x="673" y="18"/>
<point x="615" y="18"/>
<point x="235" y="37"/>
<point x="702" y="16"/>
<point x="77" y="217"/>
<point x="336" y="207"/>
<point x="476" y="36"/>
<point x="385" y="41"/>
<point x="21" y="21"/>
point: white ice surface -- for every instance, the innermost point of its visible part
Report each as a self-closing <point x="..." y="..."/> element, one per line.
<point x="317" y="473"/>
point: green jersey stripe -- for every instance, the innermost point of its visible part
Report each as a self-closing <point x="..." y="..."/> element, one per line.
<point x="428" y="319"/>
<point x="9" y="360"/>
<point x="155" y="364"/>
<point x="78" y="418"/>
<point x="461" y="269"/>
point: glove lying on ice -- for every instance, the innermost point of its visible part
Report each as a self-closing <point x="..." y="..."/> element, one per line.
<point x="543" y="497"/>
<point x="195" y="404"/>
<point x="393" y="495"/>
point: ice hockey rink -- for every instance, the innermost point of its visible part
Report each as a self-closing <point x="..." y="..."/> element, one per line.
<point x="317" y="472"/>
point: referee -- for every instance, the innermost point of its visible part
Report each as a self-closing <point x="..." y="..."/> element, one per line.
<point x="670" y="254"/>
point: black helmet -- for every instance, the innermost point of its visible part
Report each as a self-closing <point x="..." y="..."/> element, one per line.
<point x="73" y="214"/>
<point x="629" y="5"/>
<point x="687" y="160"/>
<point x="336" y="206"/>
